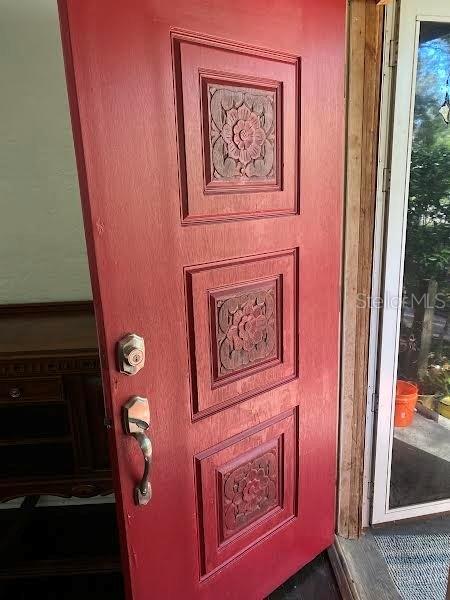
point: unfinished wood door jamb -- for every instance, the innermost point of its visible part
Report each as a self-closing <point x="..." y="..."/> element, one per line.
<point x="364" y="52"/>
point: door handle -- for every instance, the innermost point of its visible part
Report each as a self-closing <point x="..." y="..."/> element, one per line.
<point x="136" y="421"/>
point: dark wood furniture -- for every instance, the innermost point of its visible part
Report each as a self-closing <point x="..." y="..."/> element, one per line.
<point x="53" y="441"/>
<point x="53" y="438"/>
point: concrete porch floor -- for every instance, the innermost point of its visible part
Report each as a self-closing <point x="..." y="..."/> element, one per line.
<point x="420" y="462"/>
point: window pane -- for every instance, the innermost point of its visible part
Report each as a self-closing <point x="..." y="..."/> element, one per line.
<point x="421" y="447"/>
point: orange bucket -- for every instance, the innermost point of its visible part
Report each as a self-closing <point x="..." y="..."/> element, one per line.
<point x="405" y="403"/>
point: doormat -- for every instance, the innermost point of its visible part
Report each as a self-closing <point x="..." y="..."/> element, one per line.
<point x="418" y="564"/>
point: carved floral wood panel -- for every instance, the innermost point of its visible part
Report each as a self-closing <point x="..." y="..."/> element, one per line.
<point x="249" y="491"/>
<point x="246" y="326"/>
<point x="238" y="130"/>
<point x="242" y="134"/>
<point x="243" y="329"/>
<point x="246" y="488"/>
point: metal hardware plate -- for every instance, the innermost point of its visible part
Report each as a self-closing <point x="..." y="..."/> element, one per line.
<point x="131" y="354"/>
<point x="136" y="421"/>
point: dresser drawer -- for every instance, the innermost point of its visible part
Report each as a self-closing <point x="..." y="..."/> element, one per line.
<point x="46" y="389"/>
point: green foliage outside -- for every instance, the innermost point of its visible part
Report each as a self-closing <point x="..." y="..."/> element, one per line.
<point x="427" y="253"/>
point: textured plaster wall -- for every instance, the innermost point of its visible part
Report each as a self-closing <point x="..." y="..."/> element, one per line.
<point x="42" y="247"/>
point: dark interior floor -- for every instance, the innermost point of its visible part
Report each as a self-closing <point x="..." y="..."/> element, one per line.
<point x="76" y="587"/>
<point x="43" y="553"/>
<point x="60" y="553"/>
<point x="316" y="581"/>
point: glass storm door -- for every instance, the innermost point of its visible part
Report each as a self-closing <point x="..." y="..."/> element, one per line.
<point x="412" y="465"/>
<point x="213" y="222"/>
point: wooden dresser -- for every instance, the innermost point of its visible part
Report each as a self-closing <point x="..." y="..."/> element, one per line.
<point x="53" y="439"/>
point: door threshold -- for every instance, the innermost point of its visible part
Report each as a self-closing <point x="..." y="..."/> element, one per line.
<point x="361" y="569"/>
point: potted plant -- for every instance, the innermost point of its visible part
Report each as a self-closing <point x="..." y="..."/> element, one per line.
<point x="437" y="382"/>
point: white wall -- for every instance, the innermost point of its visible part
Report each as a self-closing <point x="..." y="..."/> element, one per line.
<point x="42" y="247"/>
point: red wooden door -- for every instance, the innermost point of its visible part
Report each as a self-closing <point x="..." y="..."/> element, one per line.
<point x="209" y="140"/>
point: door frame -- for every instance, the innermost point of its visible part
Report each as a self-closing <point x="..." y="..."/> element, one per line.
<point x="365" y="26"/>
<point x="389" y="68"/>
<point x="390" y="248"/>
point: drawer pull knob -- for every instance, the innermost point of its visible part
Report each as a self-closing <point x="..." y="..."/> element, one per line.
<point x="15" y="392"/>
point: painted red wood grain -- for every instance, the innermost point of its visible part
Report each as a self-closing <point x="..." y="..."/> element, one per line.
<point x="136" y="75"/>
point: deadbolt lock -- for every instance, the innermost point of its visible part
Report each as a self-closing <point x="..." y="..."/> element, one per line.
<point x="131" y="354"/>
